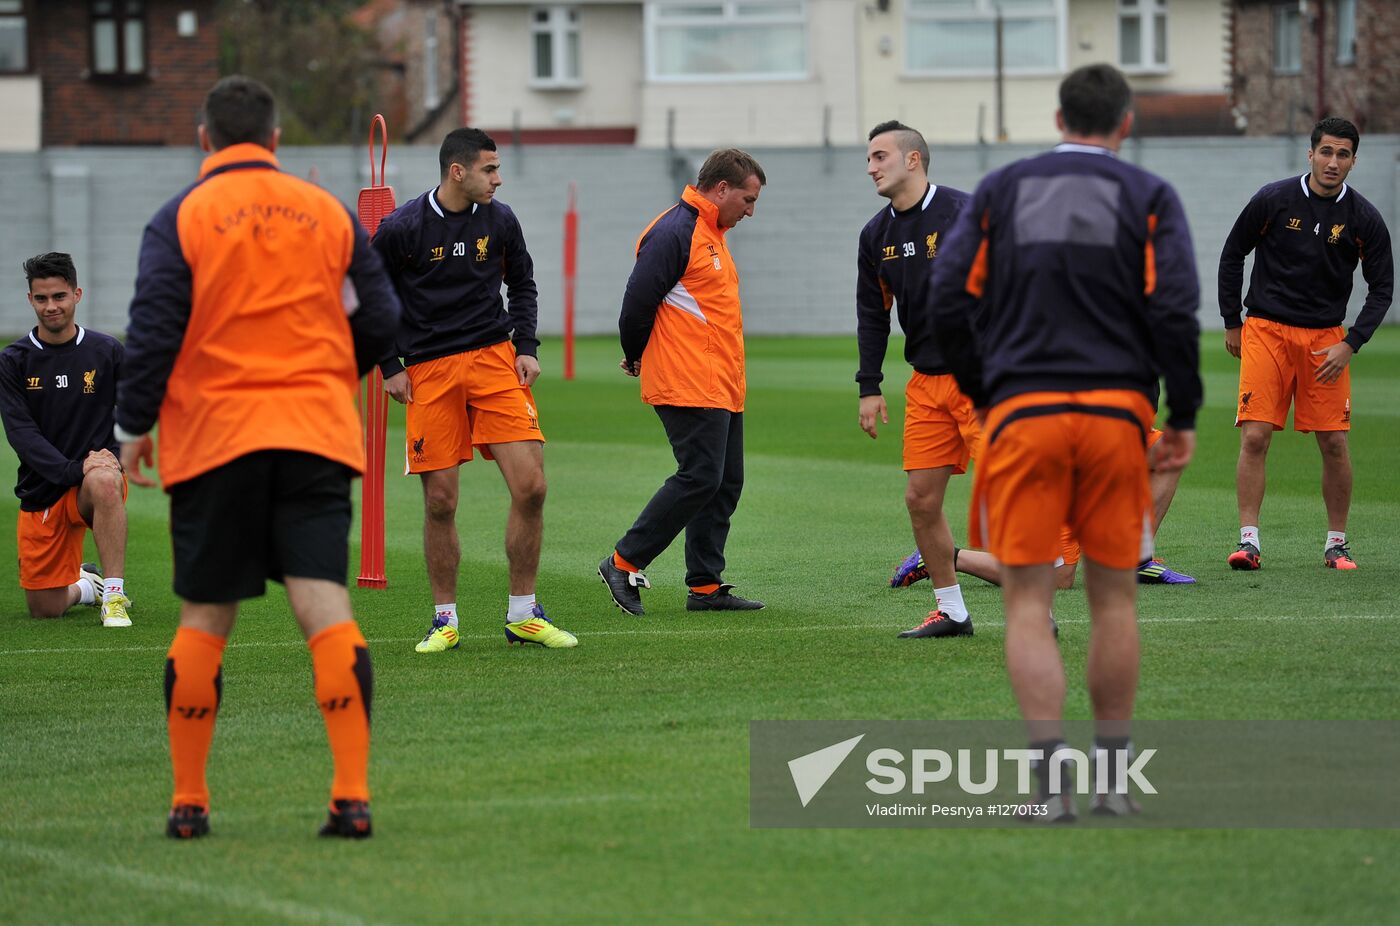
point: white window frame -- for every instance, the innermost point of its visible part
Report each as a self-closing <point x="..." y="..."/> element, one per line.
<point x="652" y="20"/>
<point x="129" y="37"/>
<point x="985" y="10"/>
<point x="1146" y="12"/>
<point x="1346" y="40"/>
<point x="563" y="21"/>
<point x="1281" y="11"/>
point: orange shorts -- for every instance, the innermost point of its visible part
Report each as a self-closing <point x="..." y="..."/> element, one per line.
<point x="466" y="400"/>
<point x="940" y="424"/>
<point x="1069" y="543"/>
<point x="1056" y="460"/>
<point x="1277" y="367"/>
<point x="51" y="543"/>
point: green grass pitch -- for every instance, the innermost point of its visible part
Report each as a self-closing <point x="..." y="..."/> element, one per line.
<point x="609" y="783"/>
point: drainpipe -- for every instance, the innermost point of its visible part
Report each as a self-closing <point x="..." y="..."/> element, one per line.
<point x="1320" y="26"/>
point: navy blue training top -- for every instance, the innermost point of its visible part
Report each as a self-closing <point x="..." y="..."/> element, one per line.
<point x="58" y="402"/>
<point x="1306" y="248"/>
<point x="1071" y="271"/>
<point x="448" y="268"/>
<point x="894" y="263"/>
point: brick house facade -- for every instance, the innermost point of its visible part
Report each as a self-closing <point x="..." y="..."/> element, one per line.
<point x="122" y="73"/>
<point x="1292" y="65"/>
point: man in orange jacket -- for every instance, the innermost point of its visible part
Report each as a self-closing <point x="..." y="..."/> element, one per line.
<point x="683" y="334"/>
<point x="259" y="303"/>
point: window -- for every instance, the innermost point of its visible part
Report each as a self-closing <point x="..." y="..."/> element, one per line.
<point x="1142" y="34"/>
<point x="14" y="37"/>
<point x="1288" y="39"/>
<point x="1345" y="18"/>
<point x="118" y="38"/>
<point x="726" y="39"/>
<point x="554" y="31"/>
<point x="959" y="36"/>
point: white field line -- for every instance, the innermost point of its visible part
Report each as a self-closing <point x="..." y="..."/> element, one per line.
<point x="720" y="629"/>
<point x="234" y="897"/>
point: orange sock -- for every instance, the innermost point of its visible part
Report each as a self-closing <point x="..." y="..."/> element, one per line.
<point x="705" y="589"/>
<point x="622" y="564"/>
<point x="345" y="691"/>
<point x="194" y="685"/>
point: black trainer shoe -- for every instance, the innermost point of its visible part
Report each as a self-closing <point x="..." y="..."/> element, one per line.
<point x="938" y="624"/>
<point x="625" y="587"/>
<point x="1113" y="805"/>
<point x="721" y="599"/>
<point x="1046" y="807"/>
<point x="1049" y="808"/>
<point x="349" y="819"/>
<point x="1338" y="556"/>
<point x="1246" y="557"/>
<point x="187" y="821"/>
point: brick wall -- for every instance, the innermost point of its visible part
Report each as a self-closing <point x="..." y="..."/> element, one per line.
<point x="1366" y="91"/>
<point x="401" y="30"/>
<point x="1376" y="77"/>
<point x="161" y="109"/>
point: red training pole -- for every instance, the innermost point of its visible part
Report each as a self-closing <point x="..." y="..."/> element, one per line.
<point x="376" y="201"/>
<point x="570" y="274"/>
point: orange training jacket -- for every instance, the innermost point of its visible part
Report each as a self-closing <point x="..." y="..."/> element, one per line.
<point x="680" y="313"/>
<point x="258" y="302"/>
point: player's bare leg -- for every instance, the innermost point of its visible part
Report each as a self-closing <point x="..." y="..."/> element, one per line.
<point x="1336" y="477"/>
<point x="1112" y="667"/>
<point x="441" y="550"/>
<point x="1163" y="491"/>
<point x="522" y="466"/>
<point x="48" y="603"/>
<point x="1032" y="658"/>
<point x="1255" y="437"/>
<point x="100" y="504"/>
<point x="980" y="564"/>
<point x="1037" y="680"/>
<point x="983" y="565"/>
<point x="923" y="496"/>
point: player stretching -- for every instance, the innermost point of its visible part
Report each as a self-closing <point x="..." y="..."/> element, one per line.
<point x="58" y="385"/>
<point x="466" y="370"/>
<point x="1308" y="234"/>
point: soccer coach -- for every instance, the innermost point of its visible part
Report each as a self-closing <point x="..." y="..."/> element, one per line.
<point x="258" y="304"/>
<point x="683" y="333"/>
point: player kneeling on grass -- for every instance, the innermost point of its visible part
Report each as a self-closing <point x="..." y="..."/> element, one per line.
<point x="247" y="338"/>
<point x="58" y="386"/>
